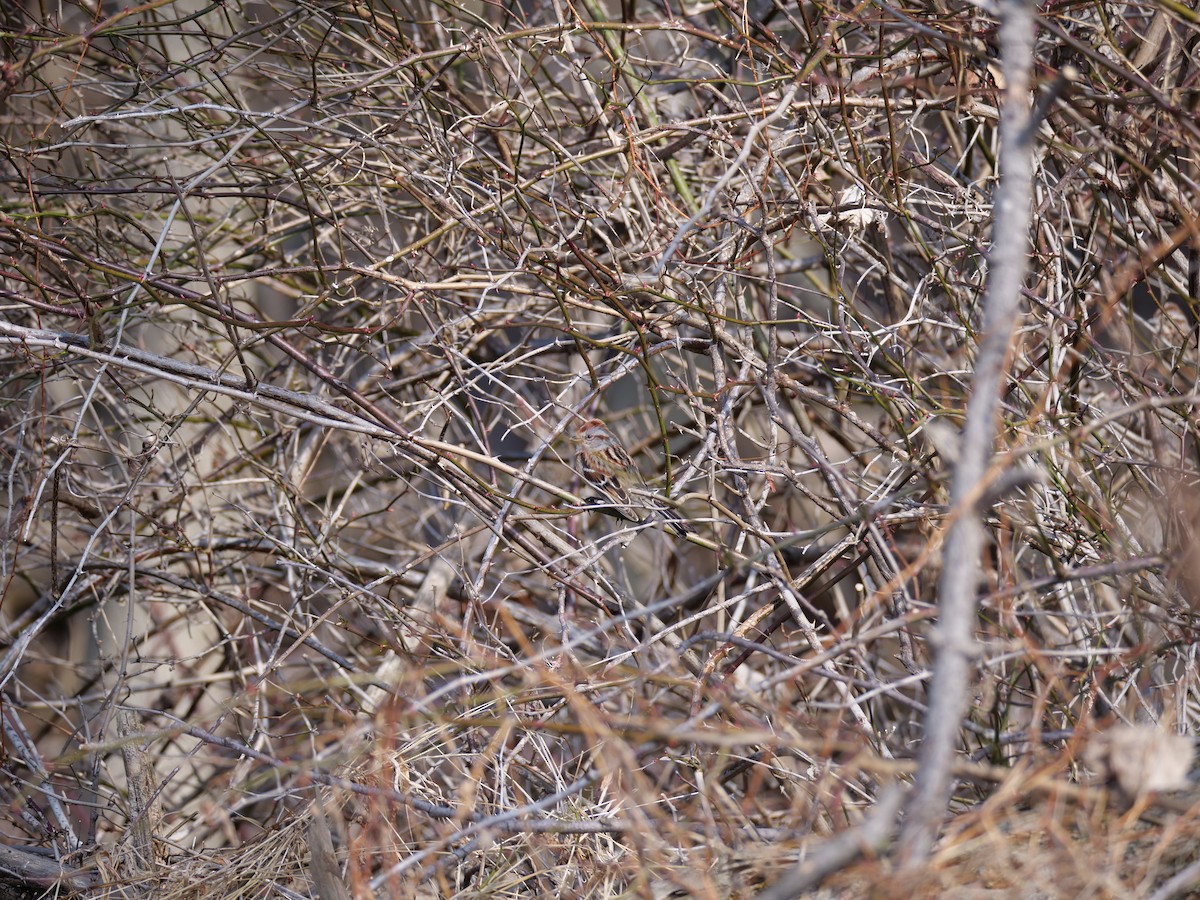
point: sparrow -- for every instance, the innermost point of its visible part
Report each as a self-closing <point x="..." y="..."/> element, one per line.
<point x="606" y="464"/>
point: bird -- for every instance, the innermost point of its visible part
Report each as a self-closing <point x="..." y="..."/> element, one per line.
<point x="606" y="464"/>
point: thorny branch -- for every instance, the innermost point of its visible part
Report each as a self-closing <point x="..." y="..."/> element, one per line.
<point x="301" y="301"/>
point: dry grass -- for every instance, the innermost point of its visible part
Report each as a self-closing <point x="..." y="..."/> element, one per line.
<point x="301" y="302"/>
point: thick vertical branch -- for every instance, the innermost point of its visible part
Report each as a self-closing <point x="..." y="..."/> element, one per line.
<point x="953" y="638"/>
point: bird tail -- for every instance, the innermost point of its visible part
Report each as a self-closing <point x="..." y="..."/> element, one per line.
<point x="672" y="521"/>
<point x="634" y="505"/>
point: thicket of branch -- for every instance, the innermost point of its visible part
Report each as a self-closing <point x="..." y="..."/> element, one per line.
<point x="303" y="302"/>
